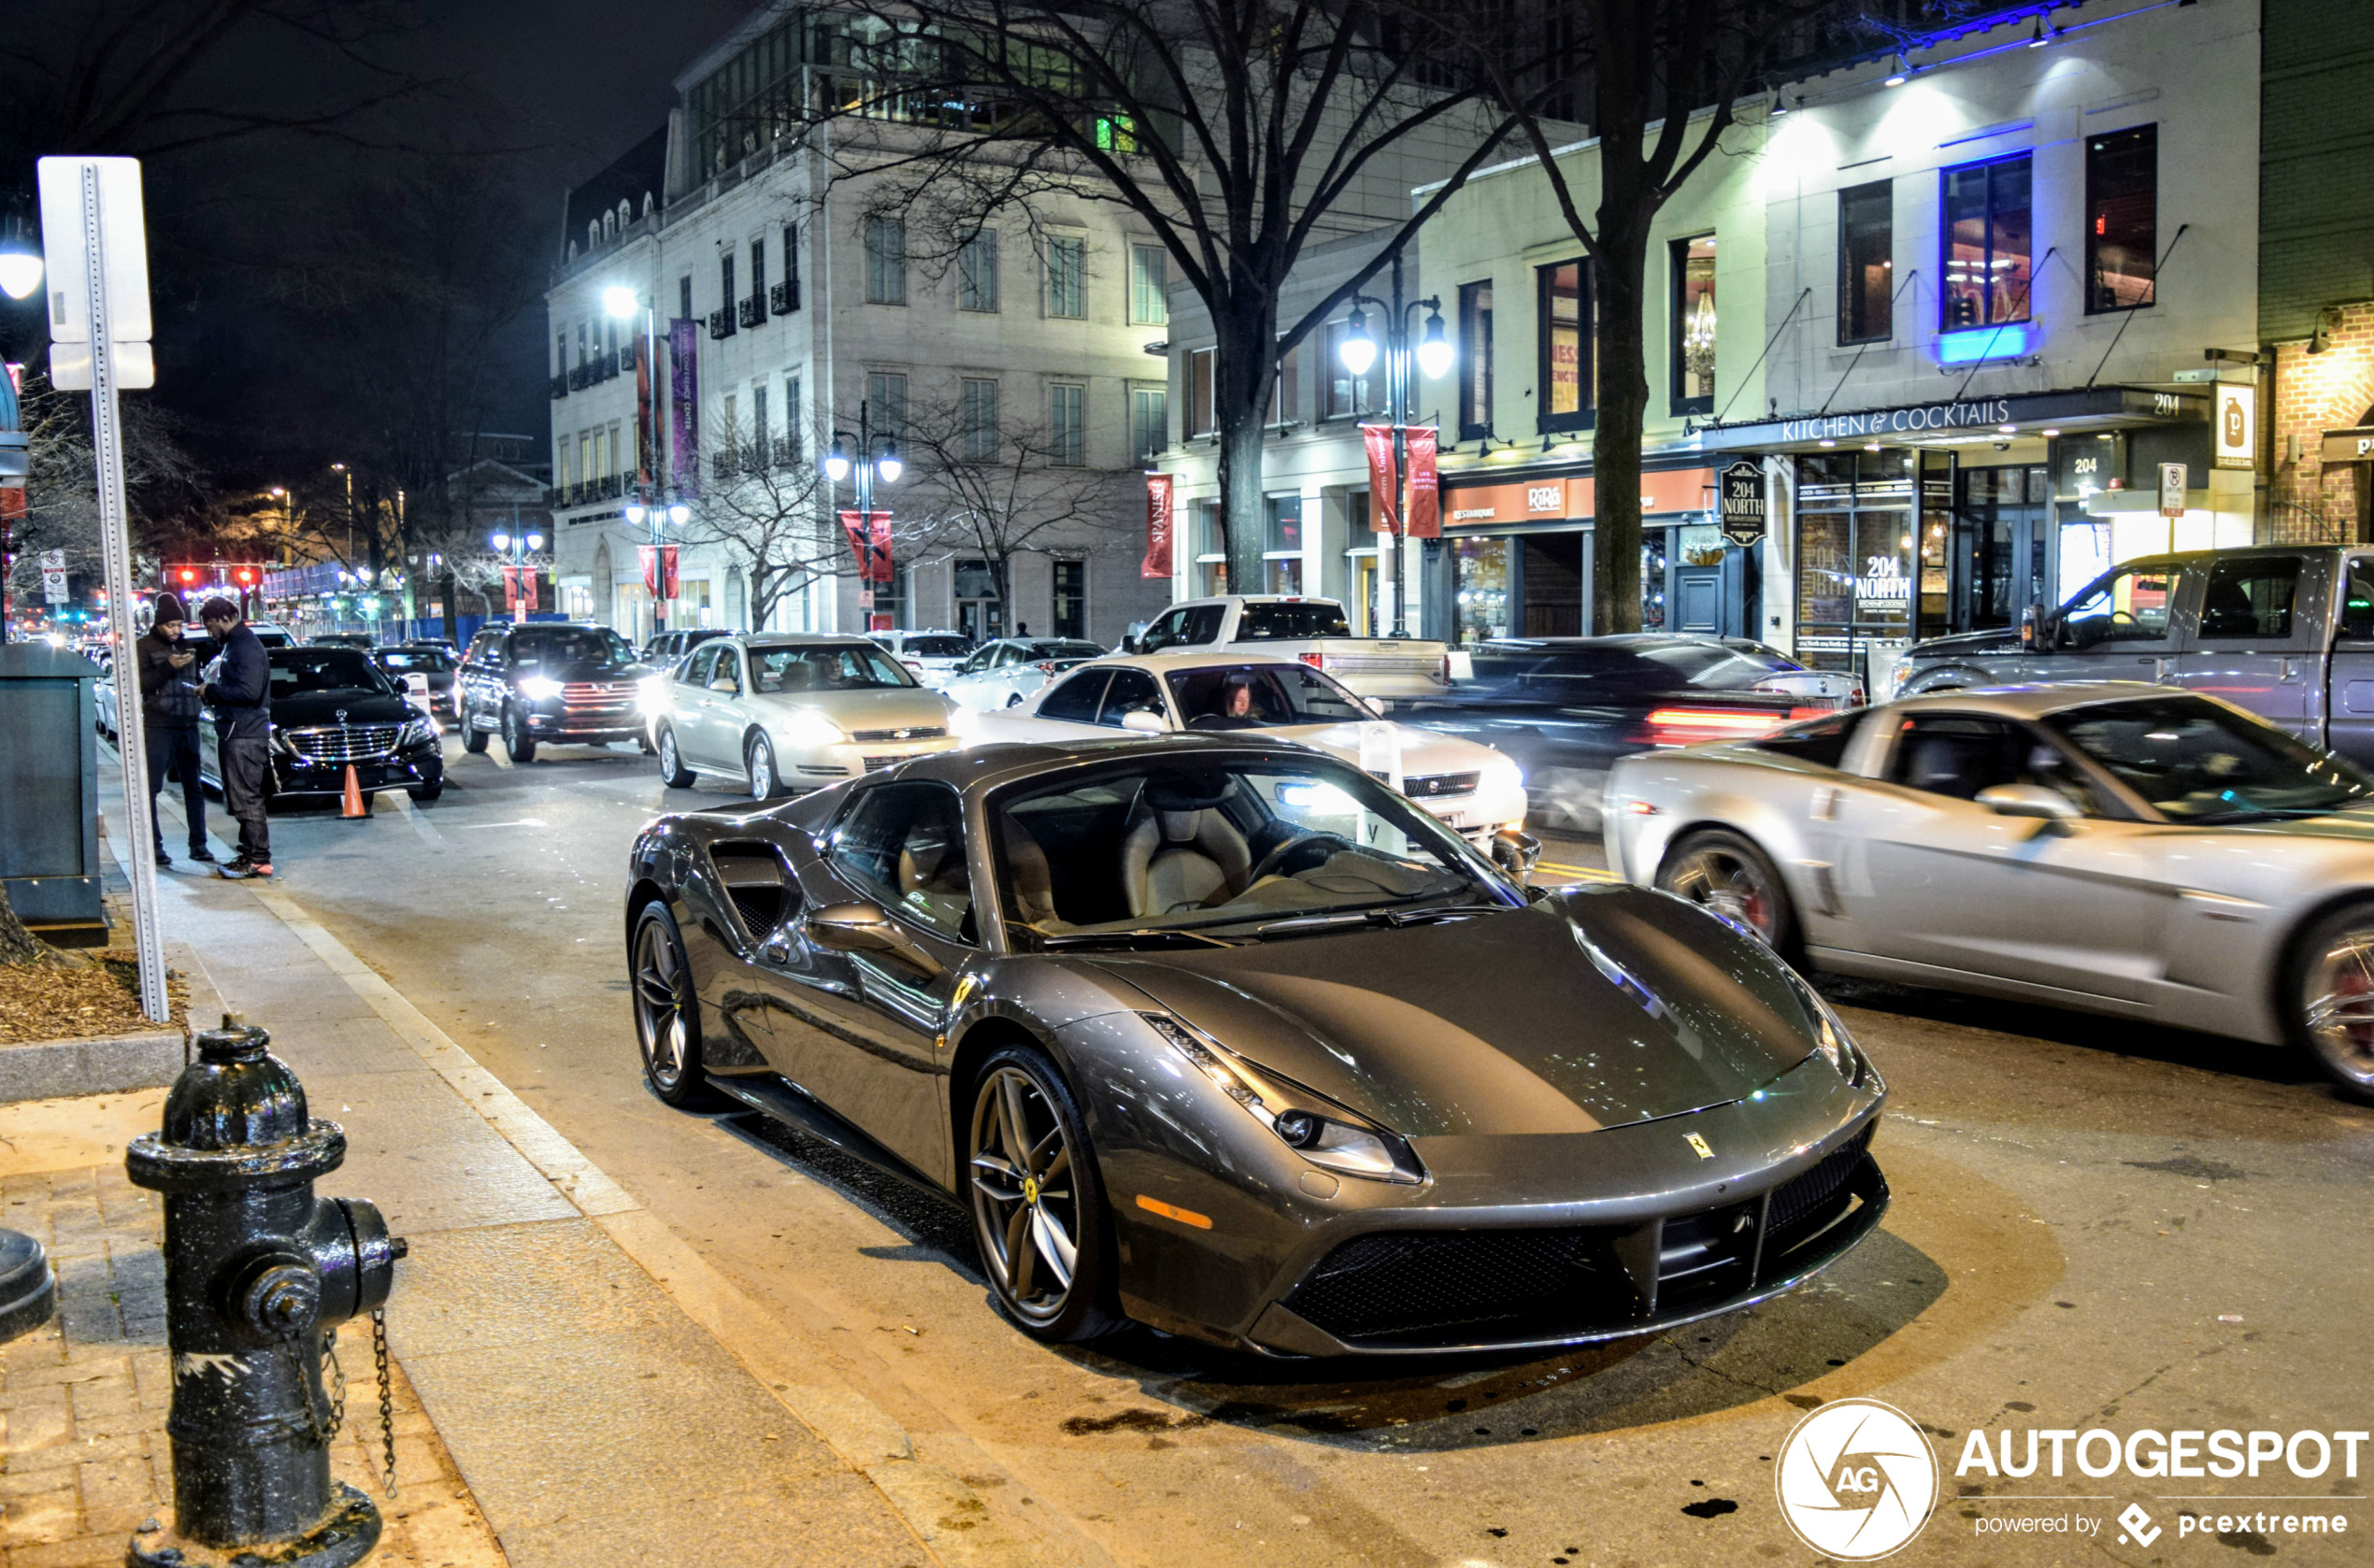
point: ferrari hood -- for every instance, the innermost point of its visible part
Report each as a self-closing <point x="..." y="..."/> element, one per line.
<point x="1593" y="1009"/>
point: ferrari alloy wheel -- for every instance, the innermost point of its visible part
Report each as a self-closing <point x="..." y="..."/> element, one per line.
<point x="1729" y="876"/>
<point x="673" y="773"/>
<point x="2334" y="988"/>
<point x="1038" y="1209"/>
<point x="759" y="757"/>
<point x="668" y="1013"/>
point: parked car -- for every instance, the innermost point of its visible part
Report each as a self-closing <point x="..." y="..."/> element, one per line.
<point x="1223" y="1036"/>
<point x="668" y="647"/>
<point x="436" y="663"/>
<point x="549" y="681"/>
<point x="931" y="656"/>
<point x="2284" y="631"/>
<point x="1567" y="707"/>
<point x="1475" y="791"/>
<point x="103" y="690"/>
<point x="785" y="712"/>
<point x="2108" y="845"/>
<point x="1001" y="674"/>
<point x="1314" y="630"/>
<point x="331" y="706"/>
<point x="363" y="640"/>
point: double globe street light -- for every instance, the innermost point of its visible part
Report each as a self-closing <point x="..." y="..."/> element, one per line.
<point x="856" y="456"/>
<point x="514" y="549"/>
<point x="1433" y="357"/>
<point x="622" y="304"/>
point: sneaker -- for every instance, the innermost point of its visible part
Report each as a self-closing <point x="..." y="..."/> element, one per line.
<point x="238" y="870"/>
<point x="164" y="859"/>
<point x="201" y="853"/>
<point x="259" y="868"/>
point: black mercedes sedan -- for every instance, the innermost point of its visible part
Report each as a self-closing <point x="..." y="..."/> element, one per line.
<point x="1225" y="1037"/>
<point x="549" y="681"/>
<point x="331" y="706"/>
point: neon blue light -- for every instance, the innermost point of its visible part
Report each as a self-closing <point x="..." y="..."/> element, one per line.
<point x="2007" y="342"/>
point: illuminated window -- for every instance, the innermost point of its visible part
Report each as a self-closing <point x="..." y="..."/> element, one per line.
<point x="1693" y="323"/>
<point x="1988" y="239"/>
<point x="1200" y="406"/>
<point x="2122" y="217"/>
<point x="1564" y="310"/>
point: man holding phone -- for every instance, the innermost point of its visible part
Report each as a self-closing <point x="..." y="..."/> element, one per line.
<point x="169" y="709"/>
<point x="241" y="696"/>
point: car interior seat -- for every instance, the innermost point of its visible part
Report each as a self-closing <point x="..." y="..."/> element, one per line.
<point x="1031" y="876"/>
<point x="1951" y="764"/>
<point x="1178" y="849"/>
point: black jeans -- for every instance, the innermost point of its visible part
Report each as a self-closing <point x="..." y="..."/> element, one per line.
<point x="176" y="750"/>
<point x="247" y="775"/>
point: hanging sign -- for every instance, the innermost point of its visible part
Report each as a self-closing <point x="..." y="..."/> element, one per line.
<point x="869" y="541"/>
<point x="1160" y="489"/>
<point x="1425" y="483"/>
<point x="2235" y="426"/>
<point x="1742" y="502"/>
<point x="1384" y="485"/>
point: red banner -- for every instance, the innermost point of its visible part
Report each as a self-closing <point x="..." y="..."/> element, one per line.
<point x="869" y="540"/>
<point x="1426" y="484"/>
<point x="1384" y="486"/>
<point x="655" y="561"/>
<point x="519" y="589"/>
<point x="1160" y="489"/>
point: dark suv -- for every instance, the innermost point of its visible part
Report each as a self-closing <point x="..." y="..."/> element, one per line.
<point x="550" y="681"/>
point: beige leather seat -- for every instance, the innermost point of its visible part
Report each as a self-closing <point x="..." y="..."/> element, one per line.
<point x="1173" y="861"/>
<point x="1033" y="879"/>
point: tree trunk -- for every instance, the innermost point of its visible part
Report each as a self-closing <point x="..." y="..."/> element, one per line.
<point x="1619" y="275"/>
<point x="17" y="944"/>
<point x="452" y="610"/>
<point x="1243" y="369"/>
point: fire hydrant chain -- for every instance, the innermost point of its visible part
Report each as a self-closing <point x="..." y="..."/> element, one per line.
<point x="387" y="1396"/>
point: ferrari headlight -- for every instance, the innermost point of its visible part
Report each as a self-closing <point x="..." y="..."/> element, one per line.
<point x="1830" y="1036"/>
<point x="539" y="688"/>
<point x="1328" y="1138"/>
<point x="809" y="729"/>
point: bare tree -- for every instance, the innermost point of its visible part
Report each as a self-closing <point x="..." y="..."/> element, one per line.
<point x="766" y="508"/>
<point x="1238" y="131"/>
<point x="995" y="492"/>
<point x="62" y="509"/>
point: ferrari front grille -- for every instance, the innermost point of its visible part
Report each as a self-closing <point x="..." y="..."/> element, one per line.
<point x="1808" y="1201"/>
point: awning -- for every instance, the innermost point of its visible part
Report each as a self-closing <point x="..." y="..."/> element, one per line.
<point x="2087" y="409"/>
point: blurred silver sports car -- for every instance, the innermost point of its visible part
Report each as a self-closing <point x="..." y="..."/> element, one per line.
<point x="2114" y="847"/>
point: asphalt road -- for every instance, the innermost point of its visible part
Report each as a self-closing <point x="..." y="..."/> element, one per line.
<point x="2093" y="1225"/>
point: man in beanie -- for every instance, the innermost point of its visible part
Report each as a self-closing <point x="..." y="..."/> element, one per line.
<point x="241" y="697"/>
<point x="169" y="714"/>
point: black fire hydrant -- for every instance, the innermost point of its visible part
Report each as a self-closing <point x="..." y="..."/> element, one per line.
<point x="258" y="1272"/>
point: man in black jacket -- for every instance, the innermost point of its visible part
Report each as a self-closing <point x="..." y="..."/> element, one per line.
<point x="241" y="697"/>
<point x="169" y="717"/>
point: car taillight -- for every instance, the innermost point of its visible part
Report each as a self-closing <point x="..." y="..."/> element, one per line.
<point x="1315" y="660"/>
<point x="1047" y="666"/>
<point x="1687" y="726"/>
<point x="1442" y="670"/>
<point x="1797" y="713"/>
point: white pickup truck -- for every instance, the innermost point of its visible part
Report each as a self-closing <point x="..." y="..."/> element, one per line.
<point x="1314" y="630"/>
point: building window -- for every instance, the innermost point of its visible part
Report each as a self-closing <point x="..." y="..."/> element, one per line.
<point x="2122" y="217"/>
<point x="733" y="429"/>
<point x="1068" y="277"/>
<point x="976" y="432"/>
<point x="1282" y="544"/>
<point x="885" y="261"/>
<point x="580" y="342"/>
<point x="1347" y="396"/>
<point x="886" y="401"/>
<point x="560" y="352"/>
<point x="725" y="281"/>
<point x="1149" y="422"/>
<point x="762" y="434"/>
<point x="564" y="465"/>
<point x="1071" y="599"/>
<point x="793" y="447"/>
<point x="1149" y="286"/>
<point x="1475" y="361"/>
<point x="1067" y="426"/>
<point x="1987" y="243"/>
<point x="1693" y="325"/>
<point x="977" y="272"/>
<point x="1866" y="263"/>
<point x="1567" y="376"/>
<point x="790" y="266"/>
<point x="758" y="269"/>
<point x="1199" y="420"/>
<point x="1285" y="387"/>
<point x="684" y="298"/>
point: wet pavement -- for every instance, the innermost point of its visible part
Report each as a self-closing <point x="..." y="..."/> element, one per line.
<point x="2093" y="1225"/>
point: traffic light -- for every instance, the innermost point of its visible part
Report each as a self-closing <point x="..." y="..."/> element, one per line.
<point x="244" y="576"/>
<point x="185" y="574"/>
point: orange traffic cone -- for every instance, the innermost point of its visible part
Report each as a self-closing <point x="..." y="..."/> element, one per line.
<point x="352" y="805"/>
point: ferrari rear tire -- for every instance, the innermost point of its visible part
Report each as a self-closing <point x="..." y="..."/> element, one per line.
<point x="2330" y="997"/>
<point x="667" y="1012"/>
<point x="1037" y="1202"/>
<point x="673" y="773"/>
<point x="1724" y="874"/>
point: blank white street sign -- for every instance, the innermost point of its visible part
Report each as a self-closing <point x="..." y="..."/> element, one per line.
<point x="124" y="259"/>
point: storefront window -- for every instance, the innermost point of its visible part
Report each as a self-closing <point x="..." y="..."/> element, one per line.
<point x="2122" y="202"/>
<point x="1854" y="554"/>
<point x="1693" y="325"/>
<point x="1482" y="589"/>
<point x="1564" y="313"/>
<point x="1987" y="245"/>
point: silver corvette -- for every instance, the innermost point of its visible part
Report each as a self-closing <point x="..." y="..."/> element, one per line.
<point x="2113" y="847"/>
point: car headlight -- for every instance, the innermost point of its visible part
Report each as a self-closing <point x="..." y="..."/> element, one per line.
<point x="539" y="688"/>
<point x="1504" y="769"/>
<point x="418" y="731"/>
<point x="1329" y="1137"/>
<point x="808" y="728"/>
<point x="650" y="693"/>
<point x="1830" y="1036"/>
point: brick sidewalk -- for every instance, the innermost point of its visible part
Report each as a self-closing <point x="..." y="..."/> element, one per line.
<point x="83" y="1401"/>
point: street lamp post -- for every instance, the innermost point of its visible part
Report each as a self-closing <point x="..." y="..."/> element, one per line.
<point x="862" y="463"/>
<point x="653" y="502"/>
<point x="1433" y="357"/>
<point x="517" y="550"/>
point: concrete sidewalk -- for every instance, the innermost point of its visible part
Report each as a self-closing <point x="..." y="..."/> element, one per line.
<point x="572" y="1353"/>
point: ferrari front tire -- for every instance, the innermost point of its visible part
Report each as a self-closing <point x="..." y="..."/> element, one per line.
<point x="667" y="1012"/>
<point x="1037" y="1202"/>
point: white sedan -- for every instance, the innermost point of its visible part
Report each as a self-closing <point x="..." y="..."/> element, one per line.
<point x="788" y="713"/>
<point x="1470" y="787"/>
<point x="930" y="656"/>
<point x="1004" y="673"/>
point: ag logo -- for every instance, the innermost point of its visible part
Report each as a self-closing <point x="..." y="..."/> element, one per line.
<point x="1857" y="1479"/>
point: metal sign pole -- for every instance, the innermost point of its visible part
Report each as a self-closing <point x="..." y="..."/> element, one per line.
<point x="115" y="541"/>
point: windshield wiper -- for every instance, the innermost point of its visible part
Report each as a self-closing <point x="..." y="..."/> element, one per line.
<point x="1394" y="916"/>
<point x="1149" y="935"/>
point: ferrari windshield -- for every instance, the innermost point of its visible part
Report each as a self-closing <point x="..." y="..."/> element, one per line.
<point x="2197" y="761"/>
<point x="1159" y="846"/>
<point x="1255" y="696"/>
<point x="788" y="671"/>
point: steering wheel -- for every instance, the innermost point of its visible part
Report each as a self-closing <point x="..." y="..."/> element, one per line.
<point x="1270" y="862"/>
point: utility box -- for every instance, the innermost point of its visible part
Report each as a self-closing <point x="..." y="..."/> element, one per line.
<point x="50" y="792"/>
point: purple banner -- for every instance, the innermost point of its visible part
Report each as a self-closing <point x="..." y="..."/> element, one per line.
<point x="684" y="391"/>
